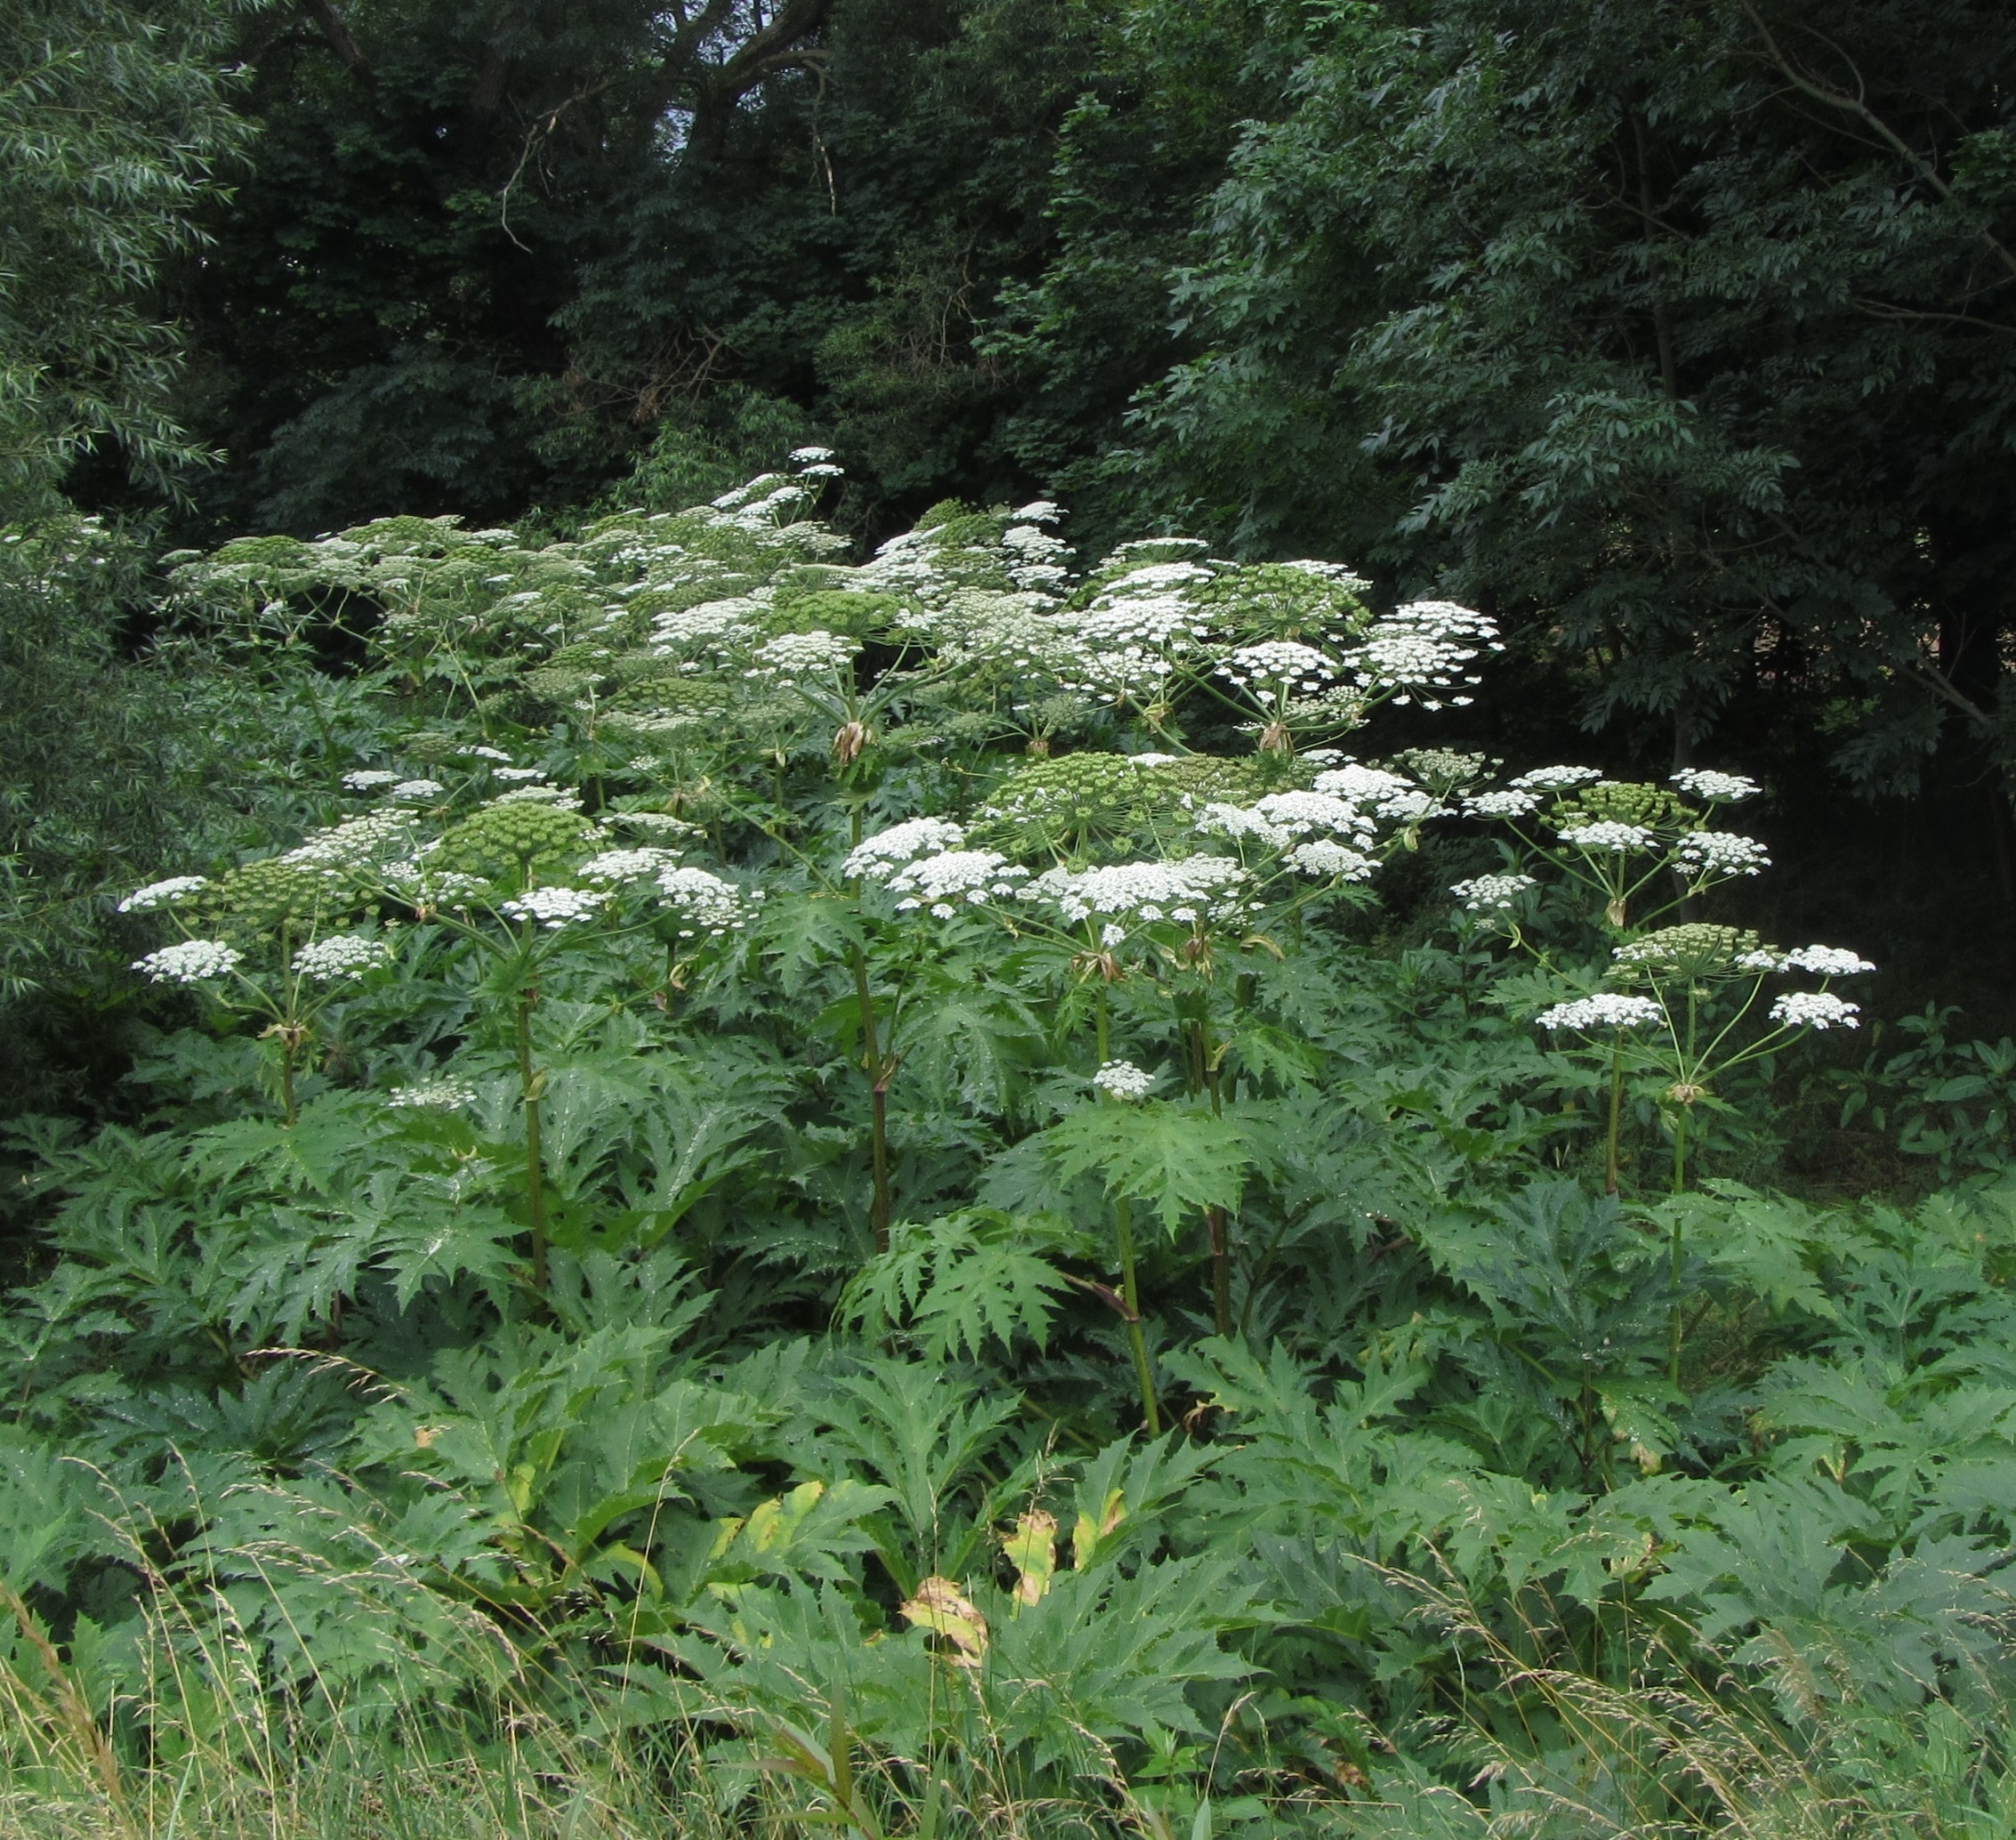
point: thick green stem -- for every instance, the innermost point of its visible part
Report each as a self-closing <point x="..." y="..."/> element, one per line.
<point x="289" y="1046"/>
<point x="1610" y="1165"/>
<point x="1217" y="1222"/>
<point x="1678" y="1332"/>
<point x="1124" y="1235"/>
<point x="879" y="1076"/>
<point x="1219" y="1227"/>
<point x="530" y="1086"/>
<point x="878" y="1096"/>
<point x="1124" y="1232"/>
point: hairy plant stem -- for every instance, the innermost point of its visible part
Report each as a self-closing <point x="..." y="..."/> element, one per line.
<point x="1217" y="1224"/>
<point x="1677" y="1335"/>
<point x="880" y="1072"/>
<point x="1611" y="1165"/>
<point x="531" y="1086"/>
<point x="1124" y="1238"/>
<point x="1124" y="1233"/>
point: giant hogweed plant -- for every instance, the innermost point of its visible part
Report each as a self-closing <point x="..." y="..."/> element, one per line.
<point x="821" y="1147"/>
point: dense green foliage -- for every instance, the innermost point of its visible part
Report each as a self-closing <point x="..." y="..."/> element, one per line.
<point x="815" y="1187"/>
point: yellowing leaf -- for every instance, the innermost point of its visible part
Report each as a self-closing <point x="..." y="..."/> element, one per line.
<point x="940" y="1607"/>
<point x="1085" y="1536"/>
<point x="1032" y="1551"/>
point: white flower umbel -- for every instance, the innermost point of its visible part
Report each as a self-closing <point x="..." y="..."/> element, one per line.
<point x="341" y="955"/>
<point x="1197" y="888"/>
<point x="1555" y="779"/>
<point x="790" y="655"/>
<point x="1826" y="962"/>
<point x="444" y="1093"/>
<point x="879" y="856"/>
<point x="1322" y="857"/>
<point x="1815" y="1009"/>
<point x="709" y="623"/>
<point x="939" y="882"/>
<point x="1122" y="1079"/>
<point x="627" y="865"/>
<point x="1720" y="852"/>
<point x="369" y="780"/>
<point x="169" y="893"/>
<point x="558" y="797"/>
<point x="706" y="904"/>
<point x="555" y="907"/>
<point x="1501" y="805"/>
<point x="1714" y="789"/>
<point x="1608" y="837"/>
<point x="416" y="792"/>
<point x="1221" y="819"/>
<point x="191" y="961"/>
<point x="354" y="843"/>
<point x="1277" y="665"/>
<point x="1390" y="795"/>
<point x="1491" y="894"/>
<point x="1420" y="649"/>
<point x="515" y="775"/>
<point x="1606" y="1009"/>
<point x="1301" y="814"/>
<point x="809" y="456"/>
<point x="493" y="753"/>
<point x="418" y="881"/>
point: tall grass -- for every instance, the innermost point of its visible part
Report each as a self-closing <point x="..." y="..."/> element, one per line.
<point x="203" y="1741"/>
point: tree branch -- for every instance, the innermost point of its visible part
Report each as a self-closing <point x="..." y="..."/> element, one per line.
<point x="333" y="26"/>
<point x="1854" y="104"/>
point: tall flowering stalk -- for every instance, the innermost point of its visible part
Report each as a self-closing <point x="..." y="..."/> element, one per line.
<point x="1689" y="991"/>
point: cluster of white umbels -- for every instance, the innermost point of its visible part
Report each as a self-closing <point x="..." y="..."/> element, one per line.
<point x="191" y="961"/>
<point x="1796" y="1009"/>
<point x="369" y="779"/>
<point x="343" y="956"/>
<point x="1123" y="1080"/>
